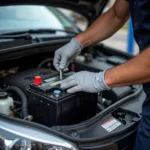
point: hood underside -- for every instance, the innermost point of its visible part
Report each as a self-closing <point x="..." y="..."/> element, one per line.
<point x="91" y="9"/>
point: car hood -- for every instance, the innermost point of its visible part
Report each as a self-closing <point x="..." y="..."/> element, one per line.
<point x="91" y="9"/>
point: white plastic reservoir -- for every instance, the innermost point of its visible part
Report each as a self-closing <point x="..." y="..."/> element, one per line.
<point x="6" y="103"/>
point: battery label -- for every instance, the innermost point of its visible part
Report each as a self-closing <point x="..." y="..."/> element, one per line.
<point x="111" y="124"/>
<point x="53" y="79"/>
<point x="56" y="83"/>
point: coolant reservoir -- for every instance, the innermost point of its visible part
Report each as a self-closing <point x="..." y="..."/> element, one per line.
<point x="6" y="103"/>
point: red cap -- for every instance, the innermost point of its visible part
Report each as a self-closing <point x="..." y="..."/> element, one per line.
<point x="37" y="80"/>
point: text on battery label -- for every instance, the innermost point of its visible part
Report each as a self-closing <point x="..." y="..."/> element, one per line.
<point x="111" y="124"/>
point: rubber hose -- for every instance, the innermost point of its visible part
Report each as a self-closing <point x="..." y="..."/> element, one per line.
<point x="22" y="96"/>
<point x="44" y="61"/>
<point x="100" y="107"/>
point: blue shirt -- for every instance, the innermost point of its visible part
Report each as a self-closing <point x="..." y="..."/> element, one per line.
<point x="140" y="15"/>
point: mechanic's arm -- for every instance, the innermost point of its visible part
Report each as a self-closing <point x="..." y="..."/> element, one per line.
<point x="106" y="25"/>
<point x="135" y="71"/>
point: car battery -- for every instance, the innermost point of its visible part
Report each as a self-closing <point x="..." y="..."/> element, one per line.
<point x="49" y="105"/>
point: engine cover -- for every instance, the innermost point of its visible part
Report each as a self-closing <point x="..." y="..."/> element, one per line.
<point x="25" y="78"/>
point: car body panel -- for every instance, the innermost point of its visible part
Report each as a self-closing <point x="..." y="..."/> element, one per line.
<point x="90" y="9"/>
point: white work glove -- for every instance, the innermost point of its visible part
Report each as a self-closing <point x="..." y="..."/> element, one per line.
<point x="64" y="55"/>
<point x="85" y="81"/>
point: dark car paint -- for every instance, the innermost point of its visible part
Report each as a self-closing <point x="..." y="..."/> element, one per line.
<point x="91" y="9"/>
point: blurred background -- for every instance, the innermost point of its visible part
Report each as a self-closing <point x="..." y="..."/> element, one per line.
<point x="121" y="41"/>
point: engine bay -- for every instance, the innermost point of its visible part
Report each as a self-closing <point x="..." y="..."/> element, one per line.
<point x="47" y="103"/>
<point x="37" y="96"/>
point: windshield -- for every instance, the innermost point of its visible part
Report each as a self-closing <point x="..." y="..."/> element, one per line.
<point x="32" y="17"/>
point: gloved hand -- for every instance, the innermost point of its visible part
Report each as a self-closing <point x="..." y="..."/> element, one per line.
<point x="85" y="81"/>
<point x="64" y="55"/>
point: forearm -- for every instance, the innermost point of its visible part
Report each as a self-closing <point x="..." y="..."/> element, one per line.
<point x="104" y="27"/>
<point x="135" y="71"/>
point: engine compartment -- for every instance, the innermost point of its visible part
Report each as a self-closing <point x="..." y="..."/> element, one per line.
<point x="46" y="103"/>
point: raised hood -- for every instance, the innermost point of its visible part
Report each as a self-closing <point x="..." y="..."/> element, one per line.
<point x="91" y="9"/>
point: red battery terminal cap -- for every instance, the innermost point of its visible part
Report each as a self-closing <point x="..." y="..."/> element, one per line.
<point x="37" y="80"/>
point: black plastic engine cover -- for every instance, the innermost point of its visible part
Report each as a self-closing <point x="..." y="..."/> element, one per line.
<point x="25" y="78"/>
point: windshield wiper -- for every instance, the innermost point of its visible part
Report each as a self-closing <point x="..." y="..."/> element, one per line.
<point x="27" y="33"/>
<point x="17" y="36"/>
